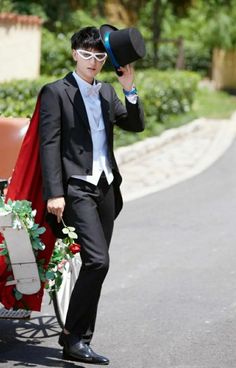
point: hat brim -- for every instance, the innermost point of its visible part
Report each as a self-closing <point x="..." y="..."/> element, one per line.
<point x="106" y="28"/>
<point x="103" y="30"/>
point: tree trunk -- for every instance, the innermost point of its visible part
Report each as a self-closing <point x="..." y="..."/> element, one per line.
<point x="100" y="5"/>
<point x="156" y="26"/>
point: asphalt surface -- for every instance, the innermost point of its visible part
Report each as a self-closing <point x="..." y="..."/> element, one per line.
<point x="169" y="300"/>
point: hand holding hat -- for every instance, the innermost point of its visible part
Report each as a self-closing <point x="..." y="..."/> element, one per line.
<point x="126" y="78"/>
<point x="123" y="46"/>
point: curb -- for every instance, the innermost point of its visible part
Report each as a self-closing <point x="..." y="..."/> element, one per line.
<point x="132" y="152"/>
<point x="223" y="133"/>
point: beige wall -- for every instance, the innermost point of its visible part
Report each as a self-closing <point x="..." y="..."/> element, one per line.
<point x="19" y="51"/>
<point x="224" y="68"/>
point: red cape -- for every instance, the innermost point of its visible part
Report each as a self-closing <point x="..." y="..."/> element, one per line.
<point x="26" y="183"/>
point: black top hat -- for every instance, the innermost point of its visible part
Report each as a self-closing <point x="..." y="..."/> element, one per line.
<point x="123" y="46"/>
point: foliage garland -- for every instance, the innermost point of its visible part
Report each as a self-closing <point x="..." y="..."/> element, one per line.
<point x="64" y="250"/>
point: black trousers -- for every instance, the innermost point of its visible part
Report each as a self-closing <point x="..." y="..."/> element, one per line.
<point x="90" y="209"/>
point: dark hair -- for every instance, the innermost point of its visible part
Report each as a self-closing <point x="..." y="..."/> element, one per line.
<point x="87" y="38"/>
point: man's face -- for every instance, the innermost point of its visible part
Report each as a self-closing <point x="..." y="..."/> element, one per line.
<point x="88" y="63"/>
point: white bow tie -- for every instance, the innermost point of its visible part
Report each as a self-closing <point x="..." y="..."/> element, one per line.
<point x="93" y="90"/>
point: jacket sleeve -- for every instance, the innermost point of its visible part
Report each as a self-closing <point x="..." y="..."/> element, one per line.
<point x="50" y="143"/>
<point x="129" y="117"/>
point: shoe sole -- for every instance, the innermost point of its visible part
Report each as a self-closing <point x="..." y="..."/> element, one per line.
<point x="66" y="356"/>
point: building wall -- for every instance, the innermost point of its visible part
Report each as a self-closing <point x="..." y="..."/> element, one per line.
<point x="20" y="47"/>
<point x="224" y="69"/>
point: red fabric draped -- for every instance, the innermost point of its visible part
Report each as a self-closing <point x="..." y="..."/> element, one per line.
<point x="26" y="183"/>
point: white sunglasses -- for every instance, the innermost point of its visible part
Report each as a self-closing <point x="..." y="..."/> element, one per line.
<point x="87" y="55"/>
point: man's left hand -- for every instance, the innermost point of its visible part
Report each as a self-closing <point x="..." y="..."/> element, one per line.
<point x="127" y="78"/>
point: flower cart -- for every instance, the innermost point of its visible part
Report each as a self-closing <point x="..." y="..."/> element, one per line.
<point x="26" y="264"/>
<point x="25" y="276"/>
<point x="26" y="271"/>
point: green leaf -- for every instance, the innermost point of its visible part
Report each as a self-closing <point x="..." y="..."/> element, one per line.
<point x="58" y="281"/>
<point x="42" y="277"/>
<point x="57" y="258"/>
<point x="35" y="227"/>
<point x="41" y="246"/>
<point x="8" y="208"/>
<point x="41" y="230"/>
<point x="50" y="275"/>
<point x="36" y="244"/>
<point x="17" y="294"/>
<point x="3" y="252"/>
<point x="2" y="204"/>
<point x="9" y="202"/>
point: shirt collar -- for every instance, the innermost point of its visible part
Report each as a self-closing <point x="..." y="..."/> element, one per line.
<point x="83" y="85"/>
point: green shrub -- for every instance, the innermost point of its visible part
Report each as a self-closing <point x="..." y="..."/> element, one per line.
<point x="17" y="98"/>
<point x="55" y="53"/>
<point x="163" y="94"/>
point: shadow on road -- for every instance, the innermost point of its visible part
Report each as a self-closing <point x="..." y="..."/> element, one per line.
<point x="36" y="327"/>
<point x="25" y="343"/>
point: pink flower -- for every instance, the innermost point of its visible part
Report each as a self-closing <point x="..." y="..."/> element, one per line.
<point x="61" y="265"/>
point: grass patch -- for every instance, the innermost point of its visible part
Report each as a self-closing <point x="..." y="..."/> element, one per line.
<point x="214" y="104"/>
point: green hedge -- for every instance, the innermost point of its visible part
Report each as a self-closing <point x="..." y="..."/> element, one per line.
<point x="17" y="98"/>
<point x="163" y="94"/>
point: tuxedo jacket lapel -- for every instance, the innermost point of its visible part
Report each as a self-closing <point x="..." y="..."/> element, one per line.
<point x="76" y="99"/>
<point x="105" y="112"/>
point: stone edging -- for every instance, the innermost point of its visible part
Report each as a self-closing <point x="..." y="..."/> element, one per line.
<point x="133" y="151"/>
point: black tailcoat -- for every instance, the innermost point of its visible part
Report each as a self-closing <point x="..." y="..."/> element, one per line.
<point x="65" y="138"/>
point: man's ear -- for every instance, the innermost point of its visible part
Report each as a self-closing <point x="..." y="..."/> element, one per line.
<point x="74" y="54"/>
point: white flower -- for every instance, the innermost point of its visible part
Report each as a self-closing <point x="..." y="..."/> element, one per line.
<point x="51" y="283"/>
<point x="16" y="223"/>
<point x="33" y="213"/>
<point x="58" y="242"/>
<point x="30" y="223"/>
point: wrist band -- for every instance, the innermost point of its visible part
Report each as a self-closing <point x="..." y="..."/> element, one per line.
<point x="130" y="93"/>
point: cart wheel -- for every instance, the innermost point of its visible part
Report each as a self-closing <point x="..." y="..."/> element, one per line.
<point x="62" y="297"/>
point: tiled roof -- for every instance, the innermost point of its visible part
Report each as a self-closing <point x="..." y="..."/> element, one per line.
<point x="19" y="18"/>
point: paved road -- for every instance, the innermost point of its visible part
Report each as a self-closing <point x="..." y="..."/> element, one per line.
<point x="170" y="298"/>
<point x="174" y="275"/>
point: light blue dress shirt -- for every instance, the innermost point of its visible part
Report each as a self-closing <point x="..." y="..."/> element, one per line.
<point x="93" y="108"/>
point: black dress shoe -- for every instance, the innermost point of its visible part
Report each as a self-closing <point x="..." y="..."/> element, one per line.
<point x="62" y="339"/>
<point x="76" y="350"/>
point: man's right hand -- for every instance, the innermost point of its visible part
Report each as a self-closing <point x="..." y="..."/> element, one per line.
<point x="56" y="207"/>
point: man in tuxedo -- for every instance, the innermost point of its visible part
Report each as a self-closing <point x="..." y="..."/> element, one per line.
<point x="80" y="176"/>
